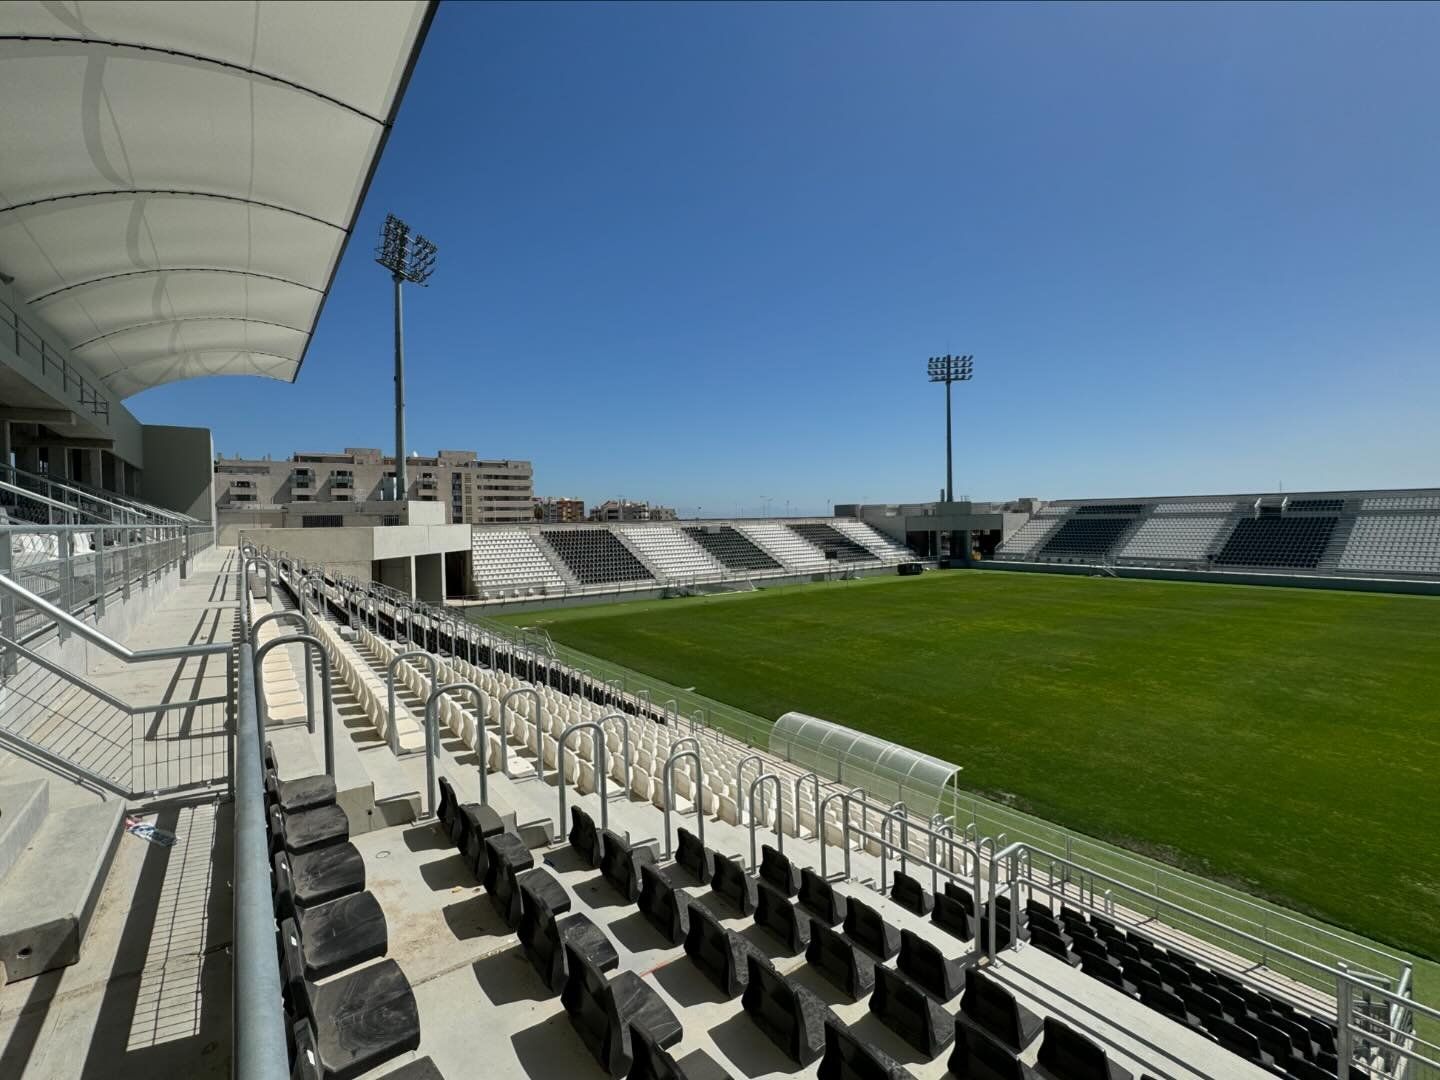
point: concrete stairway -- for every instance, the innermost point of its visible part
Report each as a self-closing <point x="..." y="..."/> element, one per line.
<point x="52" y="868"/>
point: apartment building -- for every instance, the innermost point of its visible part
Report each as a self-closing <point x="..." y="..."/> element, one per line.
<point x="628" y="510"/>
<point x="475" y="490"/>
<point x="552" y="511"/>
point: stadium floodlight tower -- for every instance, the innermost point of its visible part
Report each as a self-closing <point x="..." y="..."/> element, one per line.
<point x="950" y="369"/>
<point x="409" y="257"/>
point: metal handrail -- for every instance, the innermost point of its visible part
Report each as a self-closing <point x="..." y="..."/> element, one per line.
<point x="779" y="815"/>
<point x="624" y="719"/>
<point x="309" y="641"/>
<point x="675" y="756"/>
<point x="599" y="740"/>
<point x="279" y="616"/>
<point x="258" y="1046"/>
<point x="393" y="734"/>
<point x="501" y="709"/>
<point x="54" y="504"/>
<point x="432" y="704"/>
<point x="95" y="637"/>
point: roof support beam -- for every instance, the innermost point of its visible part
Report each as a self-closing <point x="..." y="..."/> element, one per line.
<point x="21" y="415"/>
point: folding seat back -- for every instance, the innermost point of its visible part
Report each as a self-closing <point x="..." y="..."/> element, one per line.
<point x="1066" y="1052"/>
<point x="732" y="884"/>
<point x="791" y="1016"/>
<point x="848" y="1057"/>
<point x="1137" y="972"/>
<point x="839" y="961"/>
<point x="1234" y="1038"/>
<point x="1164" y="1001"/>
<point x="1272" y="1040"/>
<point x="778" y="871"/>
<point x="620" y="864"/>
<point x="649" y="1061"/>
<point x="1050" y="942"/>
<point x="507" y="858"/>
<point x="911" y="895"/>
<point x="594" y="1013"/>
<point x="449" y="808"/>
<point x="866" y="928"/>
<point x="961" y="895"/>
<point x="584" y="837"/>
<point x="694" y="856"/>
<point x="781" y="918"/>
<point x="911" y="1013"/>
<point x="977" y="1054"/>
<point x="665" y="907"/>
<point x="928" y="967"/>
<point x="819" y="898"/>
<point x="1105" y="970"/>
<point x="542" y="900"/>
<point x="476" y="823"/>
<point x="717" y="952"/>
<point x="994" y="1010"/>
<point x="951" y="916"/>
<point x="1200" y="1003"/>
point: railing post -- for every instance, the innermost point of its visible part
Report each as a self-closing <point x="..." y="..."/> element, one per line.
<point x="125" y="565"/>
<point x="258" y="1043"/>
<point x="7" y="606"/>
<point x="97" y="563"/>
<point x="1344" y="1051"/>
<point x="67" y="581"/>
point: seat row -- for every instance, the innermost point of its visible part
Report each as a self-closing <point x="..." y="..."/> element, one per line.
<point x="348" y="1009"/>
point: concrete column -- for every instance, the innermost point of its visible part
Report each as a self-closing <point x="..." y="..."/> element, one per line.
<point x="4" y="442"/>
<point x="429" y="577"/>
<point x="92" y="469"/>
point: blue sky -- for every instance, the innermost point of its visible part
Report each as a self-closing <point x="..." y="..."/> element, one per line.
<point x="700" y="254"/>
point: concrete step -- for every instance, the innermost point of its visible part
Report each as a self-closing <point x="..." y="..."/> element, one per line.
<point x="22" y="808"/>
<point x="49" y="894"/>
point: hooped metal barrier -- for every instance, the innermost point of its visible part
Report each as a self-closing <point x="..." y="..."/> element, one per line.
<point x="901" y="813"/>
<point x="294" y="616"/>
<point x="309" y="641"/>
<point x="500" y="723"/>
<point x="759" y="760"/>
<point x="779" y="815"/>
<point x="883" y="839"/>
<point x="432" y="708"/>
<point x="258" y="561"/>
<point x="599" y="739"/>
<point x="676" y="755"/>
<point x="814" y="778"/>
<point x="1344" y="979"/>
<point x="624" y="719"/>
<point x="410" y="654"/>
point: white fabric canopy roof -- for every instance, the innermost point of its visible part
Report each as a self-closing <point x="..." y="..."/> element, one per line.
<point x="178" y="180"/>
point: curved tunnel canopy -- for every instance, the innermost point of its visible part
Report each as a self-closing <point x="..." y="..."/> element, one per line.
<point x="885" y="769"/>
<point x="179" y="180"/>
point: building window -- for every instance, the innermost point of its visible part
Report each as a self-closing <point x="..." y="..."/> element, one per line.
<point x="322" y="521"/>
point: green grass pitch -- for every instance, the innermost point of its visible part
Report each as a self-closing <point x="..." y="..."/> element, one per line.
<point x="1283" y="740"/>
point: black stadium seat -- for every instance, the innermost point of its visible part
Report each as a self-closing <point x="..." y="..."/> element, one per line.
<point x="477" y="824"/>
<point x="840" y="961"/>
<point x="506" y="858"/>
<point x="992" y="1009"/>
<point x="866" y="928"/>
<point x="1067" y="1053"/>
<point x="977" y="1056"/>
<point x="911" y="895"/>
<point x="355" y="1022"/>
<point x="544" y="933"/>
<point x="584" y="837"/>
<point x="336" y="935"/>
<point x="718" y="953"/>
<point x="307" y="830"/>
<point x="665" y="907"/>
<point x="605" y="1013"/>
<point x="694" y="856"/>
<point x="820" y="899"/>
<point x="928" y="967"/>
<point x="848" y="1057"/>
<point x="791" y="1016"/>
<point x="911" y="1013"/>
<point x="317" y="877"/>
<point x="778" y="871"/>
<point x="732" y="884"/>
<point x="620" y="864"/>
<point x="783" y="919"/>
<point x="302" y="793"/>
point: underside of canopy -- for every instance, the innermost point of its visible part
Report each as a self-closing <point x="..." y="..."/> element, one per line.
<point x="178" y="180"/>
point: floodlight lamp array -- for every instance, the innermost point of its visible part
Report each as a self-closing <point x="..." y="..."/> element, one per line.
<point x="951" y="368"/>
<point x="409" y="256"/>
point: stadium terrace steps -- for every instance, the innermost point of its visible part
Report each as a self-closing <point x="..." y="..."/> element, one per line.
<point x="784" y="545"/>
<point x="670" y="551"/>
<point x="835" y="544"/>
<point x="511" y="560"/>
<point x="732" y="548"/>
<point x="879" y="545"/>
<point x="596" y="556"/>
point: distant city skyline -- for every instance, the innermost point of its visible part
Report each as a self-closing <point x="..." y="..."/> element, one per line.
<point x="700" y="254"/>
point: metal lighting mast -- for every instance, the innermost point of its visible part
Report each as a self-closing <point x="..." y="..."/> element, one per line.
<point x="409" y="257"/>
<point x="950" y="369"/>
